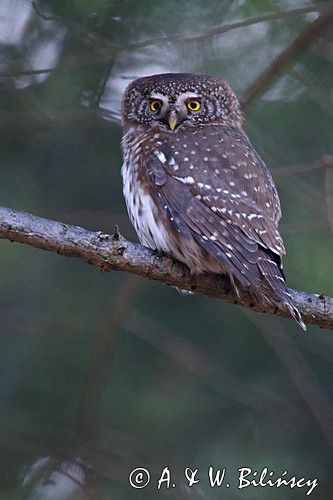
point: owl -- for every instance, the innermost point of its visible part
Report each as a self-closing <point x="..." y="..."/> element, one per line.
<point x="196" y="189"/>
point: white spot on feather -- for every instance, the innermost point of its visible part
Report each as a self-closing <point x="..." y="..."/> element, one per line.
<point x="161" y="157"/>
<point x="185" y="180"/>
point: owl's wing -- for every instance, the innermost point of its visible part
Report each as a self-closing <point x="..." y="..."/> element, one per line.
<point x="219" y="191"/>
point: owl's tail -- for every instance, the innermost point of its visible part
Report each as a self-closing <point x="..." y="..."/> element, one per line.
<point x="295" y="314"/>
<point x="273" y="275"/>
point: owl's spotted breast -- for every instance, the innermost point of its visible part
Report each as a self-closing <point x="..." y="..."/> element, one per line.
<point x="144" y="214"/>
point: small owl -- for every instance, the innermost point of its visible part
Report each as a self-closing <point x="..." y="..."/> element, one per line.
<point x="195" y="187"/>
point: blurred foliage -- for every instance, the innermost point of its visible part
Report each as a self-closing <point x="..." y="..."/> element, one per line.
<point x="104" y="373"/>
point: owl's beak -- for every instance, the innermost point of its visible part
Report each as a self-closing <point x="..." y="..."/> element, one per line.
<point x="173" y="120"/>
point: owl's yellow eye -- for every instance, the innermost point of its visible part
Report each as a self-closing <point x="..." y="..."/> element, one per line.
<point x="193" y="105"/>
<point x="155" y="105"/>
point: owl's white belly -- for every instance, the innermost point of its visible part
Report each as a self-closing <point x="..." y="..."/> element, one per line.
<point x="142" y="211"/>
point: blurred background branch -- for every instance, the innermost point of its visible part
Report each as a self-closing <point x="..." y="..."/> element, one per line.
<point x="324" y="162"/>
<point x="287" y="58"/>
<point x="105" y="49"/>
<point x="303" y="377"/>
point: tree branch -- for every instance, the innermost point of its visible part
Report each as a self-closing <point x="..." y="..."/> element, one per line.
<point x="116" y="253"/>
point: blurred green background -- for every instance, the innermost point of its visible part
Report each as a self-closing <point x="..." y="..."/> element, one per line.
<point x="102" y="373"/>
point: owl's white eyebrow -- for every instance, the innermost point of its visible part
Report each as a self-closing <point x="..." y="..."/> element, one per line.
<point x="162" y="97"/>
<point x="186" y="95"/>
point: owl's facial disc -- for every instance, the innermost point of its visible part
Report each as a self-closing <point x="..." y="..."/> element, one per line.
<point x="182" y="99"/>
<point x="172" y="111"/>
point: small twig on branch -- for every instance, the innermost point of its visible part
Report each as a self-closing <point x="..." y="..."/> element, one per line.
<point x="108" y="254"/>
<point x="283" y="61"/>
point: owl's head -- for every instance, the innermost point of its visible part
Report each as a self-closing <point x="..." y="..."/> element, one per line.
<point x="172" y="100"/>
